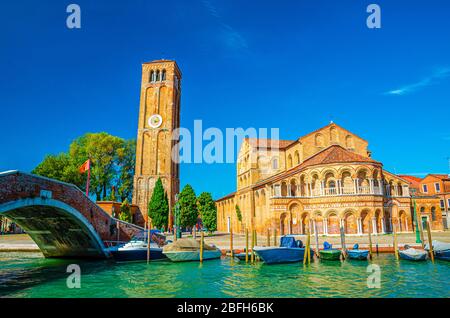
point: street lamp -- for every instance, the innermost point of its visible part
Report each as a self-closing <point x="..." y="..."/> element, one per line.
<point x="177" y="230"/>
<point x="416" y="220"/>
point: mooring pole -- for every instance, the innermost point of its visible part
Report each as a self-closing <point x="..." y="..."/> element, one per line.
<point x="246" y="245"/>
<point x="343" y="248"/>
<point x="317" y="238"/>
<point x="395" y="241"/>
<point x="253" y="245"/>
<point x="370" y="239"/>
<point x="148" y="243"/>
<point x="118" y="232"/>
<point x="416" y="223"/>
<point x="275" y="237"/>
<point x="430" y="242"/>
<point x="231" y="243"/>
<point x="201" y="246"/>
<point x="268" y="237"/>
<point x="306" y="253"/>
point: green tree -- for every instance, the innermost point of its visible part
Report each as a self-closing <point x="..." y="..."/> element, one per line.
<point x="112" y="159"/>
<point x="188" y="207"/>
<point x="125" y="212"/>
<point x="208" y="211"/>
<point x="60" y="167"/>
<point x="158" y="207"/>
<point x="238" y="213"/>
<point x="126" y="159"/>
<point x="102" y="149"/>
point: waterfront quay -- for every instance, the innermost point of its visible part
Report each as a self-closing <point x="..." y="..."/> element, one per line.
<point x="23" y="243"/>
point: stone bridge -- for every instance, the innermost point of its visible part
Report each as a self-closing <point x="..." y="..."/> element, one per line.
<point x="59" y="217"/>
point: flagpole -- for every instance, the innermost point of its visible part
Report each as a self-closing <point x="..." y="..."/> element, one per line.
<point x="88" y="179"/>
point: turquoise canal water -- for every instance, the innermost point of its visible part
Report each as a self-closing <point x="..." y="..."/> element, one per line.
<point x="30" y="275"/>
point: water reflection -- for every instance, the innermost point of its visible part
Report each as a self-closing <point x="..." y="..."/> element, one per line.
<point x="22" y="276"/>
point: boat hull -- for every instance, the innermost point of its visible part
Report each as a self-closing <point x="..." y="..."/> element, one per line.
<point x="330" y="255"/>
<point x="192" y="256"/>
<point x="443" y="255"/>
<point x="135" y="255"/>
<point x="279" y="255"/>
<point x="358" y="254"/>
<point x="412" y="257"/>
<point x="241" y="256"/>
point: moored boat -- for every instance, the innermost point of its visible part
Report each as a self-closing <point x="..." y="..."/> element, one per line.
<point x="413" y="254"/>
<point x="241" y="256"/>
<point x="289" y="251"/>
<point x="358" y="254"/>
<point x="188" y="250"/>
<point x="137" y="249"/>
<point x="329" y="253"/>
<point x="441" y="250"/>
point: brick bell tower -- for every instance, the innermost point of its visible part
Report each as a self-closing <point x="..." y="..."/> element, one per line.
<point x="159" y="116"/>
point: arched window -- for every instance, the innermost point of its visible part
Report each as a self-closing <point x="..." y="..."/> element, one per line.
<point x="157" y="75"/>
<point x="289" y="161"/>
<point x="297" y="158"/>
<point x="275" y="163"/>
<point x="320" y="142"/>
<point x="163" y="75"/>
<point x="152" y="76"/>
<point x="433" y="213"/>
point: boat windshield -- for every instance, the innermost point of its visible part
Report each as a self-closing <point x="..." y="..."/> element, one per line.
<point x="155" y="235"/>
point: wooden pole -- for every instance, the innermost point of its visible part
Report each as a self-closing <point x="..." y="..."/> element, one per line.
<point x="275" y="237"/>
<point x="231" y="243"/>
<point x="268" y="237"/>
<point x="317" y="238"/>
<point x="256" y="237"/>
<point x="343" y="248"/>
<point x="430" y="242"/>
<point x="148" y="243"/>
<point x="201" y="246"/>
<point x="253" y="245"/>
<point x="395" y="241"/>
<point x="309" y="247"/>
<point x="370" y="239"/>
<point x="306" y="253"/>
<point x="118" y="232"/>
<point x="246" y="245"/>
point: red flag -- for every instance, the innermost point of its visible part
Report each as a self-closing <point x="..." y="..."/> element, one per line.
<point x="85" y="166"/>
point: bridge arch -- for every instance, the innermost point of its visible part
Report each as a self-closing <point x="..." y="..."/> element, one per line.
<point x="57" y="228"/>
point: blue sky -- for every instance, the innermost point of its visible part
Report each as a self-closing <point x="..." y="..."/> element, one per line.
<point x="294" y="65"/>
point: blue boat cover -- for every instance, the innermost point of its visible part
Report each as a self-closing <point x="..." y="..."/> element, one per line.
<point x="299" y="243"/>
<point x="288" y="241"/>
<point x="356" y="246"/>
<point x="327" y="246"/>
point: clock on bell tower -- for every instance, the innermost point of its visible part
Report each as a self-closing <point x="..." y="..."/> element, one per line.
<point x="159" y="116"/>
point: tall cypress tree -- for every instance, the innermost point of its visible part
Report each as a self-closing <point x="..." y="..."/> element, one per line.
<point x="208" y="211"/>
<point x="188" y="207"/>
<point x="158" y="207"/>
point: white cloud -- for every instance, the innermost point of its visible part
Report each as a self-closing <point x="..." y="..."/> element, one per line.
<point x="432" y="79"/>
<point x="230" y="37"/>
